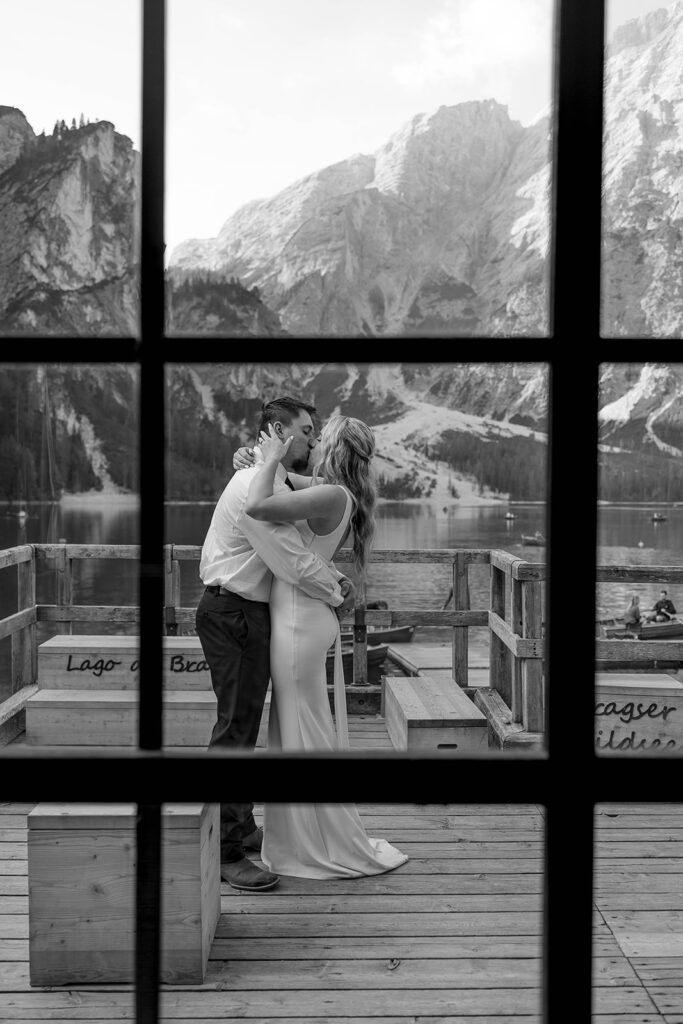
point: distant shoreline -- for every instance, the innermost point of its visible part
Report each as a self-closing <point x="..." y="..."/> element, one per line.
<point x="100" y="498"/>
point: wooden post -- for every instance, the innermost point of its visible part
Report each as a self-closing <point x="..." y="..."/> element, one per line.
<point x="360" y="648"/>
<point x="499" y="656"/>
<point x="517" y="624"/>
<point x="64" y="587"/>
<point x="533" y="695"/>
<point x="461" y="602"/>
<point x="24" y="645"/>
<point x="171" y="591"/>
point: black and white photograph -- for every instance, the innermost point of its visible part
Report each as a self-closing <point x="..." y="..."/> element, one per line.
<point x="377" y="611"/>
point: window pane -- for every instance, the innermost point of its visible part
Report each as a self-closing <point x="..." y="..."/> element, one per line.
<point x="460" y="471"/>
<point x="638" y="931"/>
<point x="69" y="169"/>
<point x="378" y="174"/>
<point x="640" y="575"/>
<point x="69" y="487"/>
<point x="641" y="269"/>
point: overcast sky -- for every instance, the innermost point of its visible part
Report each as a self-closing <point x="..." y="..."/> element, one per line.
<point x="261" y="92"/>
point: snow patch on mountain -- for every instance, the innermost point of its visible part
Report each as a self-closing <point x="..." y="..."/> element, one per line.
<point x="647" y="391"/>
<point x="401" y="443"/>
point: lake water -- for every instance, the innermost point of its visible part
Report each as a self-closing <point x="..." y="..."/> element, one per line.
<point x="399" y="525"/>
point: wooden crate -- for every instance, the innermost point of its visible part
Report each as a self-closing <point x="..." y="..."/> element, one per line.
<point x="638" y="712"/>
<point x="81" y="874"/>
<point x="110" y="718"/>
<point x="112" y="663"/>
<point x="424" y="713"/>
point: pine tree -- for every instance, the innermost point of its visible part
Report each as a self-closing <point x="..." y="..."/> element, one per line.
<point x="73" y="124"/>
<point x="62" y="126"/>
<point x="55" y="130"/>
<point x="81" y="123"/>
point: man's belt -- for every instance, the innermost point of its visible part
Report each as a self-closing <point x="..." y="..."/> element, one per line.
<point x="221" y="590"/>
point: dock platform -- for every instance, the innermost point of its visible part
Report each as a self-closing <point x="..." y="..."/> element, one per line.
<point x="454" y="934"/>
<point x="436" y="660"/>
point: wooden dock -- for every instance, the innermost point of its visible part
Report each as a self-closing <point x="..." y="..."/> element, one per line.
<point x="454" y="934"/>
<point x="436" y="660"/>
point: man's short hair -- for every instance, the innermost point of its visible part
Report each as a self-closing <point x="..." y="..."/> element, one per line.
<point x="663" y="591"/>
<point x="283" y="409"/>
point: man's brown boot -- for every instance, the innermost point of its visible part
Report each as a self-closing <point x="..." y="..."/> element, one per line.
<point x="246" y="876"/>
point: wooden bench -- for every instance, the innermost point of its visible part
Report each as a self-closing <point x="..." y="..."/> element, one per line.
<point x="112" y="663"/>
<point x="423" y="713"/>
<point x="638" y="711"/>
<point x="81" y="877"/>
<point x="93" y="718"/>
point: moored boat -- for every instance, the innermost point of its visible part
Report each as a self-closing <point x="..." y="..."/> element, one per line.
<point x="376" y="658"/>
<point x="399" y="635"/>
<point x="671" y="630"/>
<point x="537" y="540"/>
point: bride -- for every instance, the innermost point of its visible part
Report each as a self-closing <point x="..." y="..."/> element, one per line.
<point x="316" y="840"/>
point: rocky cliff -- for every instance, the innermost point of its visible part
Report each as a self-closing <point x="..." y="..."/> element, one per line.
<point x="441" y="231"/>
<point x="444" y="230"/>
<point x="643" y="178"/>
<point x="68" y="230"/>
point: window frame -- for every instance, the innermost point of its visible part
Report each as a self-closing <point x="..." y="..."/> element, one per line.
<point x="549" y="779"/>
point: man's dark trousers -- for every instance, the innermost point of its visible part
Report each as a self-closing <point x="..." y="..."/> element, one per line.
<point x="235" y="637"/>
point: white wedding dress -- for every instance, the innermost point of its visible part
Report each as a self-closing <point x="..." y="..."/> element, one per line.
<point x="313" y="840"/>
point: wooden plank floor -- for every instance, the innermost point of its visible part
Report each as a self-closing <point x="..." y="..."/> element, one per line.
<point x="639" y="899"/>
<point x="452" y="935"/>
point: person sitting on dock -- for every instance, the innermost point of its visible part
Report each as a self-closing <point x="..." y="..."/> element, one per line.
<point x="632" y="613"/>
<point x="663" y="610"/>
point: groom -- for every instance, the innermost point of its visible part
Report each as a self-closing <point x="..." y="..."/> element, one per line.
<point x="239" y="558"/>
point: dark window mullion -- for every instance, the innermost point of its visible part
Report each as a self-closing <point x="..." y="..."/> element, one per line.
<point x="575" y="286"/>
<point x="152" y="305"/>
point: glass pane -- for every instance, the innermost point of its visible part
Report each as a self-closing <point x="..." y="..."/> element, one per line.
<point x="382" y="173"/>
<point x="69" y="169"/>
<point x="638" y="930"/>
<point x="459" y="467"/>
<point x="641" y="266"/>
<point x="640" y="567"/>
<point x="69" y="488"/>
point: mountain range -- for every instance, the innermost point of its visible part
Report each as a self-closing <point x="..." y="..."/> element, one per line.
<point x="454" y="433"/>
<point x="444" y="230"/>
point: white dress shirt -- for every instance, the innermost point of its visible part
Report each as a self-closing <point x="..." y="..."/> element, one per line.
<point x="243" y="554"/>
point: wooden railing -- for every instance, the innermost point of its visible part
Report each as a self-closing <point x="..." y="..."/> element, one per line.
<point x="514" y="617"/>
<point x="517" y="645"/>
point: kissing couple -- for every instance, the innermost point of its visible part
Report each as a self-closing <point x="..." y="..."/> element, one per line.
<point x="270" y="611"/>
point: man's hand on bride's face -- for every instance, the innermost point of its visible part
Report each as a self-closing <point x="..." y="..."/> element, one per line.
<point x="272" y="447"/>
<point x="243" y="458"/>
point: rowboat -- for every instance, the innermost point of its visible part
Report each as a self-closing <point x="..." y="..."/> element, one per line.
<point x="670" y="630"/>
<point x="658" y="517"/>
<point x="538" y="540"/>
<point x="399" y="635"/>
